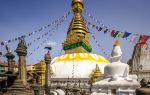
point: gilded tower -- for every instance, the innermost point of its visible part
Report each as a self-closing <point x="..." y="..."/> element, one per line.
<point x="96" y="74"/>
<point x="78" y="35"/>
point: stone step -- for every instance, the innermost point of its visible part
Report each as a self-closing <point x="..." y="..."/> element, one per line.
<point x="18" y="86"/>
<point x="17" y="92"/>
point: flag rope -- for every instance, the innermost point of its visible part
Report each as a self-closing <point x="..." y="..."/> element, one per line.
<point x="44" y="41"/>
<point x="100" y="46"/>
<point x="115" y="33"/>
<point x="2" y="43"/>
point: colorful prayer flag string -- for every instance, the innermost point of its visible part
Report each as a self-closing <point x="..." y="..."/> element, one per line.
<point x="2" y="43"/>
<point x="113" y="33"/>
<point x="44" y="41"/>
<point x="45" y="34"/>
<point x="119" y="34"/>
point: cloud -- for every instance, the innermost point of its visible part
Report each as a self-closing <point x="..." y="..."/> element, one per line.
<point x="51" y="43"/>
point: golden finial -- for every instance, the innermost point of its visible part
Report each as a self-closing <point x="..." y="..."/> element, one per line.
<point x="117" y="43"/>
<point x="81" y="1"/>
<point x="97" y="68"/>
<point x="77" y="6"/>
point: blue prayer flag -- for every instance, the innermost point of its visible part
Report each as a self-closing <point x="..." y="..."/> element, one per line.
<point x="126" y="34"/>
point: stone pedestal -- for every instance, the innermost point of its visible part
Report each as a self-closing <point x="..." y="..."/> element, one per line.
<point x="19" y="89"/>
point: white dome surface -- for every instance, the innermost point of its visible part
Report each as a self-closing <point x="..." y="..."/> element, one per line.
<point x="77" y="65"/>
<point x="116" y="69"/>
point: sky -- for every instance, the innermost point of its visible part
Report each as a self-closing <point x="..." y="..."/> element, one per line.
<point x="19" y="17"/>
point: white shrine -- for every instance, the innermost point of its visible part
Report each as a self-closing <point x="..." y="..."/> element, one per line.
<point x="116" y="79"/>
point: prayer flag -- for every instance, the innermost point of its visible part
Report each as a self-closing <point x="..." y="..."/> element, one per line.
<point x="7" y="48"/>
<point x="93" y="26"/>
<point x="116" y="34"/>
<point x="126" y="34"/>
<point x="16" y="39"/>
<point x="97" y="27"/>
<point x="9" y="41"/>
<point x="105" y="31"/>
<point x="19" y="38"/>
<point x="2" y="43"/>
<point x="143" y="39"/>
<point x="135" y="38"/>
<point x="89" y="23"/>
<point x="120" y="34"/>
<point x="100" y="29"/>
<point x="112" y="33"/>
<point x="0" y="53"/>
<point x="22" y="36"/>
<point x="28" y="45"/>
<point x="49" y="25"/>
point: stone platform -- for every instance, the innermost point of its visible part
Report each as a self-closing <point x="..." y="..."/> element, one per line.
<point x="19" y="89"/>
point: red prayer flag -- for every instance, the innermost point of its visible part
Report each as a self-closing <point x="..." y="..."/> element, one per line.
<point x="112" y="33"/>
<point x="144" y="39"/>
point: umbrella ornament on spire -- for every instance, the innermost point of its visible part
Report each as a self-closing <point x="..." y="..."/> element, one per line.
<point x="77" y="6"/>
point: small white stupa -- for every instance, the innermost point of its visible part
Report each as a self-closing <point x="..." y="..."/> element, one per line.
<point x="116" y="79"/>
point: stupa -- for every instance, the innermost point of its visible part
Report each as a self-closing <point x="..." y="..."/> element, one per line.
<point x="139" y="63"/>
<point x="77" y="64"/>
<point x="116" y="79"/>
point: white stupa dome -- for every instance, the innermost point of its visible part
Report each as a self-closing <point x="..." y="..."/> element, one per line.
<point x="77" y="65"/>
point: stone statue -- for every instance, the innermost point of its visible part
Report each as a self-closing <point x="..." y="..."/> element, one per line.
<point x="22" y="43"/>
<point x="10" y="60"/>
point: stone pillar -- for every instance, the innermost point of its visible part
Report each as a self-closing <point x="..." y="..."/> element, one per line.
<point x="10" y="60"/>
<point x="13" y="62"/>
<point x="20" y="86"/>
<point x="48" y="73"/>
<point x="22" y="52"/>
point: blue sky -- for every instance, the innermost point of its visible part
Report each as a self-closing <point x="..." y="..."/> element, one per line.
<point x="18" y="17"/>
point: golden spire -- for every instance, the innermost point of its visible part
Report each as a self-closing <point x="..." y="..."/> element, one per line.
<point x="96" y="74"/>
<point x="78" y="36"/>
<point x="117" y="43"/>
